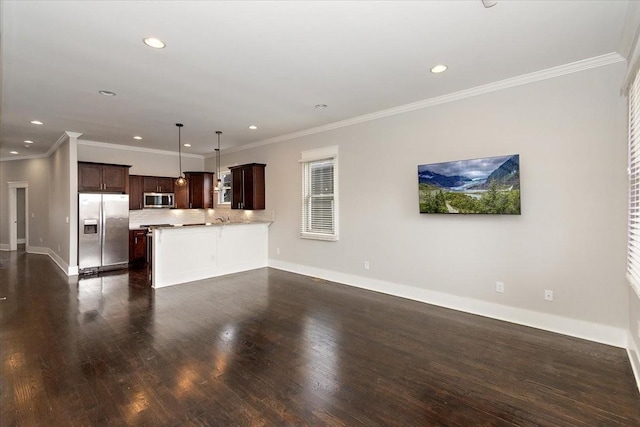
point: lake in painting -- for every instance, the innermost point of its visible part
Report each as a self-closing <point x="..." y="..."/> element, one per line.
<point x="490" y="185"/>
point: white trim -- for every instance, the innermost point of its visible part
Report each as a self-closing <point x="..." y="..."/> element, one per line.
<point x="330" y="152"/>
<point x="139" y="149"/>
<point x="68" y="270"/>
<point x="57" y="144"/>
<point x="549" y="73"/>
<point x="563" y="325"/>
<point x="4" y="247"/>
<point x="35" y="156"/>
<point x="54" y="147"/>
<point x="40" y="250"/>
<point x="306" y="159"/>
<point x="21" y="241"/>
<point x="635" y="287"/>
<point x="13" y="210"/>
<point x="634" y="358"/>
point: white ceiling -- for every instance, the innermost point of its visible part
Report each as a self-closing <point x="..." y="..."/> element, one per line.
<point x="228" y="65"/>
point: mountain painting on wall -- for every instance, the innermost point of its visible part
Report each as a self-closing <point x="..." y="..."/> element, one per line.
<point x="490" y="185"/>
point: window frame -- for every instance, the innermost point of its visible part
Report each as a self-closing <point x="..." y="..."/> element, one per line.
<point x="633" y="224"/>
<point x="308" y="158"/>
<point x="224" y="187"/>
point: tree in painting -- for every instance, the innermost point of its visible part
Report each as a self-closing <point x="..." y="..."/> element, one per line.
<point x="484" y="186"/>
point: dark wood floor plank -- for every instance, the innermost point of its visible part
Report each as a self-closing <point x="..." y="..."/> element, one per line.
<point x="270" y="348"/>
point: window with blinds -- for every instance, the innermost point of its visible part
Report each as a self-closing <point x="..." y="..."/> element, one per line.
<point x="633" y="251"/>
<point x="319" y="194"/>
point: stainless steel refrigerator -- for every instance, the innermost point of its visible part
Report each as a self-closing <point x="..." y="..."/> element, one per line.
<point x="103" y="231"/>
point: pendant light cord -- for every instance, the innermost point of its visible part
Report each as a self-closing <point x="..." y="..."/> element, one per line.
<point x="179" y="148"/>
<point x="218" y="157"/>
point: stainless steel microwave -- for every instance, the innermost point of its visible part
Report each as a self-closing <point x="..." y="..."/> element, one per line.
<point x="159" y="200"/>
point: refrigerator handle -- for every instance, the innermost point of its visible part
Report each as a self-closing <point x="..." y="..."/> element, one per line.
<point x="102" y="225"/>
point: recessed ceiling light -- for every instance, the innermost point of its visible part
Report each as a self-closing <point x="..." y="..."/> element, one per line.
<point x="187" y="145"/>
<point x="106" y="93"/>
<point x="137" y="137"/>
<point x="28" y="141"/>
<point x="36" y="122"/>
<point x="321" y="106"/>
<point x="253" y="127"/>
<point x="154" y="43"/>
<point x="439" y="69"/>
<point x="13" y="152"/>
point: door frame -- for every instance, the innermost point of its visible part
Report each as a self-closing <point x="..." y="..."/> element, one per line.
<point x="13" y="213"/>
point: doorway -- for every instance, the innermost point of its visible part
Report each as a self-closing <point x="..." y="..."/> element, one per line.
<point x="18" y="214"/>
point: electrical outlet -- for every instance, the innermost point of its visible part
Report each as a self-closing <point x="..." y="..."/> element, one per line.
<point x="548" y="295"/>
<point x="500" y="287"/>
<point x="67" y="219"/>
<point x="277" y="251"/>
<point x="366" y="265"/>
<point x="33" y="215"/>
<point x="41" y="240"/>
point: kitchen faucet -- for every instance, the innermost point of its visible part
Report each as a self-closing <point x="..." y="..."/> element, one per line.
<point x="222" y="219"/>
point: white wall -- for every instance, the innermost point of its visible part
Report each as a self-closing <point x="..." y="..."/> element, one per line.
<point x="570" y="132"/>
<point x="36" y="173"/>
<point x="142" y="161"/>
<point x="60" y="220"/>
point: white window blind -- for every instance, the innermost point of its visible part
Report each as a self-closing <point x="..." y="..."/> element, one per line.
<point x="633" y="251"/>
<point x="319" y="195"/>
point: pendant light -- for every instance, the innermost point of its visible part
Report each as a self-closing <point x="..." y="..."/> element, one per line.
<point x="180" y="182"/>
<point x="219" y="184"/>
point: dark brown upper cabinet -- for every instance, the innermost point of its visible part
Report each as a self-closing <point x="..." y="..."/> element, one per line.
<point x="200" y="189"/>
<point x="157" y="184"/>
<point x="247" y="186"/>
<point x="136" y="199"/>
<point x="103" y="178"/>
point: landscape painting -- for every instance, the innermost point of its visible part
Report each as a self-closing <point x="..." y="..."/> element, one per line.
<point x="480" y="186"/>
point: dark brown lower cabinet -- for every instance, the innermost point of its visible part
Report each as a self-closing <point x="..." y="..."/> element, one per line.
<point x="137" y="245"/>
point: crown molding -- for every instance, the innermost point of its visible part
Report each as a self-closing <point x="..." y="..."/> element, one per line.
<point x="549" y="73"/>
<point x="35" y="156"/>
<point x="138" y="149"/>
<point x="66" y="135"/>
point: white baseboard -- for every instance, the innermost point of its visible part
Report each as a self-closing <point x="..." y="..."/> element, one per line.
<point x="634" y="357"/>
<point x="4" y="246"/>
<point x="41" y="250"/>
<point x="68" y="270"/>
<point x="563" y="325"/>
<point x="21" y="241"/>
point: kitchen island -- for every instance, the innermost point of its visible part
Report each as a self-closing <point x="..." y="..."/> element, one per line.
<point x="186" y="253"/>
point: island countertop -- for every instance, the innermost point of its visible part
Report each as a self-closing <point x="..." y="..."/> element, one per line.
<point x="206" y="224"/>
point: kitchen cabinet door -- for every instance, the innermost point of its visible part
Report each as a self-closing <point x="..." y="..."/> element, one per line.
<point x="135" y="192"/>
<point x="150" y="184"/>
<point x="115" y="178"/>
<point x="137" y="245"/>
<point x="247" y="186"/>
<point x="200" y="189"/>
<point x="165" y="185"/>
<point x="181" y="195"/>
<point x="89" y="177"/>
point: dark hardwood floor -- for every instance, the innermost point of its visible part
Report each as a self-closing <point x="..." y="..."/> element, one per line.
<point x="272" y="348"/>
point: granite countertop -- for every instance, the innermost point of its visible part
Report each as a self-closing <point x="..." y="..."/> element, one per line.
<point x="205" y="224"/>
